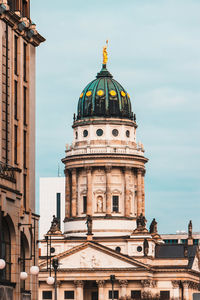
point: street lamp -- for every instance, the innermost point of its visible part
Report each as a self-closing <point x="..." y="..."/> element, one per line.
<point x="112" y="279"/>
<point x="51" y="280"/>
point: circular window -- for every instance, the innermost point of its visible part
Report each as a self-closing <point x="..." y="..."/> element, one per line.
<point x="127" y="133"/>
<point x="118" y="249"/>
<point x="85" y="133"/>
<point x="139" y="249"/>
<point x="115" y="132"/>
<point x="99" y="132"/>
<point x="76" y="134"/>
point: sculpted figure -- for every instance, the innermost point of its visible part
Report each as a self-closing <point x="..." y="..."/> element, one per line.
<point x="153" y="226"/>
<point x="141" y="221"/>
<point x="89" y="224"/>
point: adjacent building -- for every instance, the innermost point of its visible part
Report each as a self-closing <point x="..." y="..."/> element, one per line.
<point x="18" y="221"/>
<point x="106" y="251"/>
<point x="52" y="202"/>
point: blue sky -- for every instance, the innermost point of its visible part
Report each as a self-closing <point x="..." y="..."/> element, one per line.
<point x="154" y="52"/>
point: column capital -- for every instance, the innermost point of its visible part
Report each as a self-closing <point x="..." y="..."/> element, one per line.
<point x="88" y="169"/>
<point x="73" y="171"/>
<point x="141" y="171"/>
<point x="186" y="283"/>
<point x="108" y="169"/>
<point x="100" y="283"/>
<point x="78" y="283"/>
<point x="175" y="283"/>
<point x="149" y="283"/>
<point x="123" y="283"/>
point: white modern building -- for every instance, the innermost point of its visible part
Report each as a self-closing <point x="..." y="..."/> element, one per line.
<point x="52" y="202"/>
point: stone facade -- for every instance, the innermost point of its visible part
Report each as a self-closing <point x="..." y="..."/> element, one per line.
<point x="18" y="40"/>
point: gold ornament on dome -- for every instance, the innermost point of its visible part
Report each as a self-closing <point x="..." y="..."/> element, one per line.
<point x="100" y="93"/>
<point x="81" y="95"/>
<point x="128" y="95"/>
<point x="123" y="93"/>
<point x="105" y="53"/>
<point x="89" y="93"/>
<point x="112" y="93"/>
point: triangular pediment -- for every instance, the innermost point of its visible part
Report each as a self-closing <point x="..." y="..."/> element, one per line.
<point x="95" y="256"/>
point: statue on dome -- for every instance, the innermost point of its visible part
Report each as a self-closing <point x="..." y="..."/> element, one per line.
<point x="105" y="53"/>
<point x="89" y="224"/>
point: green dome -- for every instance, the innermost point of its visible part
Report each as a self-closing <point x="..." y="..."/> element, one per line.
<point x="104" y="97"/>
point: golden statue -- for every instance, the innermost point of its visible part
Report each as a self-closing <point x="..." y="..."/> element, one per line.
<point x="105" y="54"/>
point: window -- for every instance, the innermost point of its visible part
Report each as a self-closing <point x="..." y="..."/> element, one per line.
<point x="115" y="203"/>
<point x="99" y="132"/>
<point x="24" y="149"/>
<point x="69" y="294"/>
<point x="5" y="250"/>
<point x="128" y="133"/>
<point x="85" y="133"/>
<point x="164" y="295"/>
<point x="183" y="241"/>
<point x="25" y="191"/>
<point x="47" y="295"/>
<point x="15" y="144"/>
<point x="84" y="204"/>
<point x="15" y="54"/>
<point x="25" y="54"/>
<point x="116" y="294"/>
<point x="118" y="249"/>
<point x="25" y="105"/>
<point x="196" y="241"/>
<point x="25" y="8"/>
<point x="15" y="101"/>
<point x="58" y="196"/>
<point x="136" y="294"/>
<point x="115" y="132"/>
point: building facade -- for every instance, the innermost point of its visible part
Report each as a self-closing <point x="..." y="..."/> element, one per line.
<point x="52" y="202"/>
<point x="105" y="247"/>
<point x="18" y="221"/>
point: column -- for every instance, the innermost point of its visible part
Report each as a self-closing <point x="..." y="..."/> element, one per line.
<point x="89" y="190"/>
<point x="74" y="193"/>
<point x="143" y="194"/>
<point x="127" y="196"/>
<point x="123" y="286"/>
<point x="139" y="192"/>
<point x="100" y="284"/>
<point x="79" y="289"/>
<point x="67" y="194"/>
<point x="186" y="289"/>
<point x="108" y="191"/>
<point x="176" y="286"/>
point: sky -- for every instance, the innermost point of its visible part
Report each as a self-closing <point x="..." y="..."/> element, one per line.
<point x="154" y="52"/>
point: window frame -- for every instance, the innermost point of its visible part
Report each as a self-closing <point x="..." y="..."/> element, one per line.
<point x="115" y="207"/>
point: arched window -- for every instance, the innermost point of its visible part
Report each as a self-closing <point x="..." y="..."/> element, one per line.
<point x="5" y="274"/>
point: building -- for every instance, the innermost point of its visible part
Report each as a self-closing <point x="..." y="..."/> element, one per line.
<point x="18" y="221"/>
<point x="106" y="247"/>
<point x="180" y="237"/>
<point x="52" y="201"/>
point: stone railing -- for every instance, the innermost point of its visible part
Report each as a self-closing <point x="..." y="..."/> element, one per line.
<point x="7" y="172"/>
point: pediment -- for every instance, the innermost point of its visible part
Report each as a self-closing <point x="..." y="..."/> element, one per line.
<point x="88" y="256"/>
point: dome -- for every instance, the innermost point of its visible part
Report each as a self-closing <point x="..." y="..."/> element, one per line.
<point x="104" y="97"/>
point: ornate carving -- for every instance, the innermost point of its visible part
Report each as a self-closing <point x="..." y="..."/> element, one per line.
<point x="186" y="284"/>
<point x="146" y="247"/>
<point x="123" y="283"/>
<point x="108" y="169"/>
<point x="78" y="283"/>
<point x="100" y="283"/>
<point x="148" y="283"/>
<point x="141" y="221"/>
<point x="175" y="284"/>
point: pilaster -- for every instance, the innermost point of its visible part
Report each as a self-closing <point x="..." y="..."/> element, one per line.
<point x="67" y="194"/>
<point x="100" y="284"/>
<point x="176" y="289"/>
<point x="108" y="190"/>
<point x="79" y="289"/>
<point x="89" y="190"/>
<point x="139" y="192"/>
<point x="123" y="287"/>
<point x="127" y="204"/>
<point x="74" y="193"/>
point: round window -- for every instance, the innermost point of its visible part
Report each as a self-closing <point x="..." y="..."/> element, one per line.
<point x="115" y="132"/>
<point x="85" y="133"/>
<point x="139" y="248"/>
<point x="127" y="133"/>
<point x="99" y="132"/>
<point x="118" y="249"/>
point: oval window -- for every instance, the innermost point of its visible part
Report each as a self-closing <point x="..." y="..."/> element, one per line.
<point x="139" y="248"/>
<point x="99" y="132"/>
<point x="127" y="133"/>
<point x="85" y="133"/>
<point x="115" y="132"/>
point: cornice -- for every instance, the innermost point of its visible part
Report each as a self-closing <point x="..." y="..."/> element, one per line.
<point x="95" y="121"/>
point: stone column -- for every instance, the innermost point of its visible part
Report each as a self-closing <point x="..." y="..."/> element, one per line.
<point x="89" y="190"/>
<point x="100" y="284"/>
<point x="108" y="191"/>
<point x="176" y="287"/>
<point x="127" y="204"/>
<point x="79" y="289"/>
<point x="123" y="286"/>
<point x="139" y="192"/>
<point x="148" y="286"/>
<point x="74" y="197"/>
<point x="185" y="289"/>
<point x="67" y="194"/>
<point x="143" y="194"/>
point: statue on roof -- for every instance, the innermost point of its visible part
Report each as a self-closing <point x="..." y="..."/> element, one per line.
<point x="105" y="53"/>
<point x="89" y="224"/>
<point x="141" y="221"/>
<point x="190" y="229"/>
<point x="55" y="226"/>
<point x="153" y="226"/>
